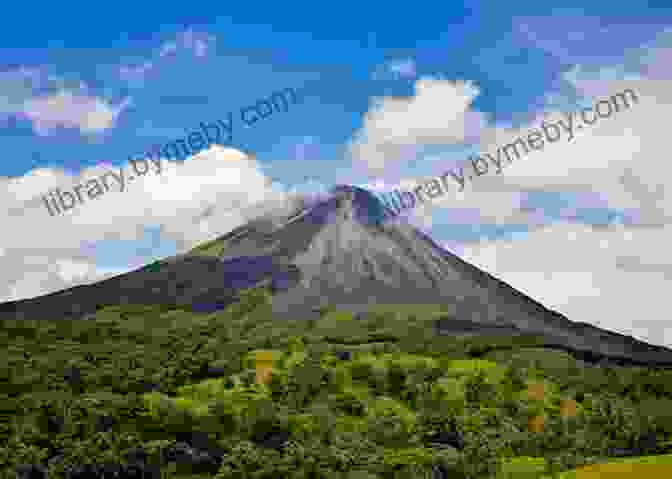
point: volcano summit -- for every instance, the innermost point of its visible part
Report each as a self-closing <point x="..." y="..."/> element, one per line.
<point x="338" y="251"/>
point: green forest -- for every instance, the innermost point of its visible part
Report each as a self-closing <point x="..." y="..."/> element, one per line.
<point x="150" y="391"/>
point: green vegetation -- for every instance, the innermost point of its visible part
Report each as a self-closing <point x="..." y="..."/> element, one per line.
<point x="366" y="415"/>
<point x="630" y="467"/>
<point x="210" y="248"/>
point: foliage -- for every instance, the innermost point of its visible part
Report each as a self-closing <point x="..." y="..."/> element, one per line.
<point x="368" y="414"/>
<point x="522" y="467"/>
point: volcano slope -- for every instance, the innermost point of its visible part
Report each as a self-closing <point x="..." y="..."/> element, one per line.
<point x="340" y="251"/>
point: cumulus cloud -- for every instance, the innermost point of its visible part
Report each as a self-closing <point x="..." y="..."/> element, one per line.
<point x="190" y="202"/>
<point x="619" y="156"/>
<point x="393" y="127"/>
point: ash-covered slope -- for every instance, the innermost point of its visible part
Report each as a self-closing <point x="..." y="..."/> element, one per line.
<point x="339" y="251"/>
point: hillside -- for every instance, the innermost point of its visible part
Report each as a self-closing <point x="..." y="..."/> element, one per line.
<point x="380" y="396"/>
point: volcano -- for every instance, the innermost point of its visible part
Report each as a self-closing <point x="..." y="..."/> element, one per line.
<point x="339" y="250"/>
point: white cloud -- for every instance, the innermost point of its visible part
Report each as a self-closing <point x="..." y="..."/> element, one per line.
<point x="616" y="278"/>
<point x="72" y="271"/>
<point x="65" y="109"/>
<point x="193" y="201"/>
<point x="49" y="102"/>
<point x="195" y="43"/>
<point x="393" y="126"/>
<point x="45" y="273"/>
<point x="619" y="156"/>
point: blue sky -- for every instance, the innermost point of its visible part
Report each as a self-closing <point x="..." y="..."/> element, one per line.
<point x="391" y="95"/>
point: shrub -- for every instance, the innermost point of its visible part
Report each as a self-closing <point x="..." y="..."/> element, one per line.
<point x="409" y="362"/>
<point x="278" y="385"/>
<point x="522" y="468"/>
<point x="414" y="461"/>
<point x="349" y="403"/>
<point x="396" y="380"/>
<point x="451" y="391"/>
<point x="225" y="416"/>
<point x="244" y="458"/>
<point x="377" y="380"/>
<point x="390" y="422"/>
<point x="478" y="390"/>
<point x="658" y="413"/>
<point x="204" y="390"/>
<point x="361" y="370"/>
<point x="303" y="425"/>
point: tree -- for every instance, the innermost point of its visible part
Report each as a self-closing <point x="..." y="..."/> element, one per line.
<point x="396" y="379"/>
<point x="514" y="378"/>
<point x="478" y="390"/>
